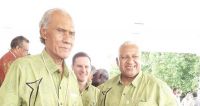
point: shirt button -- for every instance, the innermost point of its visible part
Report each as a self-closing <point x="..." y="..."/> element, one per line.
<point x="60" y="104"/>
<point x="60" y="87"/>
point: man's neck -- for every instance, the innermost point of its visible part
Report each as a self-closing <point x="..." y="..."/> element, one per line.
<point x="13" y="53"/>
<point x="127" y="80"/>
<point x="82" y="85"/>
<point x="58" y="61"/>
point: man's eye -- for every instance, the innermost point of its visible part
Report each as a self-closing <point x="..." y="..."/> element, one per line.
<point x="60" y="30"/>
<point x="72" y="33"/>
<point x="123" y="57"/>
<point x="127" y="57"/>
<point x="135" y="56"/>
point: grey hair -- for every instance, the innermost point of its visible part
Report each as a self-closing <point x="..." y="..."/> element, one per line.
<point x="46" y="17"/>
<point x="129" y="43"/>
<point x="17" y="41"/>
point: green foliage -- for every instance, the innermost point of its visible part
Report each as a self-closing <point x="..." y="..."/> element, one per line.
<point x="178" y="70"/>
<point x="114" y="71"/>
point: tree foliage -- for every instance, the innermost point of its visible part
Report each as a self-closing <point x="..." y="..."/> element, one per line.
<point x="180" y="70"/>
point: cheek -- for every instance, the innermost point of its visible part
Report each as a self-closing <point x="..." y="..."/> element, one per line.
<point x="88" y="71"/>
<point x="25" y="53"/>
<point x="78" y="74"/>
<point x="55" y="38"/>
<point x="77" y="70"/>
<point x="138" y="64"/>
<point x="49" y="42"/>
<point x="72" y="40"/>
<point x="122" y="64"/>
<point x="55" y="45"/>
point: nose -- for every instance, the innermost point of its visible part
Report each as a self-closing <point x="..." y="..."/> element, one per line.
<point x="69" y="34"/>
<point x="82" y="70"/>
<point x="130" y="60"/>
<point x="67" y="39"/>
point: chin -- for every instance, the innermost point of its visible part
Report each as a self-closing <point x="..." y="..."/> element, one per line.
<point x="132" y="75"/>
<point x="64" y="56"/>
<point x="82" y="80"/>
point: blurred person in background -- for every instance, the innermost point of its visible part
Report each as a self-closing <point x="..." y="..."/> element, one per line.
<point x="196" y="99"/>
<point x="188" y="100"/>
<point x="19" y="48"/>
<point x="177" y="93"/>
<point x="81" y="65"/>
<point x="99" y="77"/>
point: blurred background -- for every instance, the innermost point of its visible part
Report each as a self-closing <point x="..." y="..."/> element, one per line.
<point x="101" y="26"/>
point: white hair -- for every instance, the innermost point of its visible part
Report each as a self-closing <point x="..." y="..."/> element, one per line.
<point x="47" y="16"/>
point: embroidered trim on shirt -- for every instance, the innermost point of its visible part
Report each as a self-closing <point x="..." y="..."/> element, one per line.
<point x="34" y="87"/>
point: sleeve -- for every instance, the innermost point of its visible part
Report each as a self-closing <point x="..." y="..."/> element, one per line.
<point x="104" y="89"/>
<point x="9" y="91"/>
<point x="97" y="92"/>
<point x="100" y="101"/>
<point x="166" y="97"/>
<point x="2" y="75"/>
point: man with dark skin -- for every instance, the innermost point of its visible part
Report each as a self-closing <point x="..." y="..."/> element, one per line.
<point x="132" y="87"/>
<point x="45" y="79"/>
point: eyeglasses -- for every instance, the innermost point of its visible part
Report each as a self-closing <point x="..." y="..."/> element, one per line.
<point x="24" y="50"/>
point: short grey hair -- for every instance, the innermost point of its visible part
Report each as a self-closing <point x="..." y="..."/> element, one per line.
<point x="47" y="16"/>
<point x="129" y="43"/>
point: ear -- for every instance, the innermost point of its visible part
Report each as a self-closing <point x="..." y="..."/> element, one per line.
<point x="117" y="61"/>
<point x="17" y="47"/>
<point x="43" y="33"/>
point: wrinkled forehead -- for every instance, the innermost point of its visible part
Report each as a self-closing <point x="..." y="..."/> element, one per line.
<point x="61" y="17"/>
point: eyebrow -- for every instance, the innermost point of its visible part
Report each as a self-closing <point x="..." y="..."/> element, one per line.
<point x="65" y="30"/>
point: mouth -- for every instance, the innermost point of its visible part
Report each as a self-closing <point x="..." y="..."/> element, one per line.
<point x="65" y="48"/>
<point x="82" y="76"/>
<point x="131" y="67"/>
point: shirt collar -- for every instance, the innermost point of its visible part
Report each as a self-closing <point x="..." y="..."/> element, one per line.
<point x="137" y="79"/>
<point x="88" y="84"/>
<point x="51" y="65"/>
<point x="13" y="54"/>
<point x="135" y="82"/>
